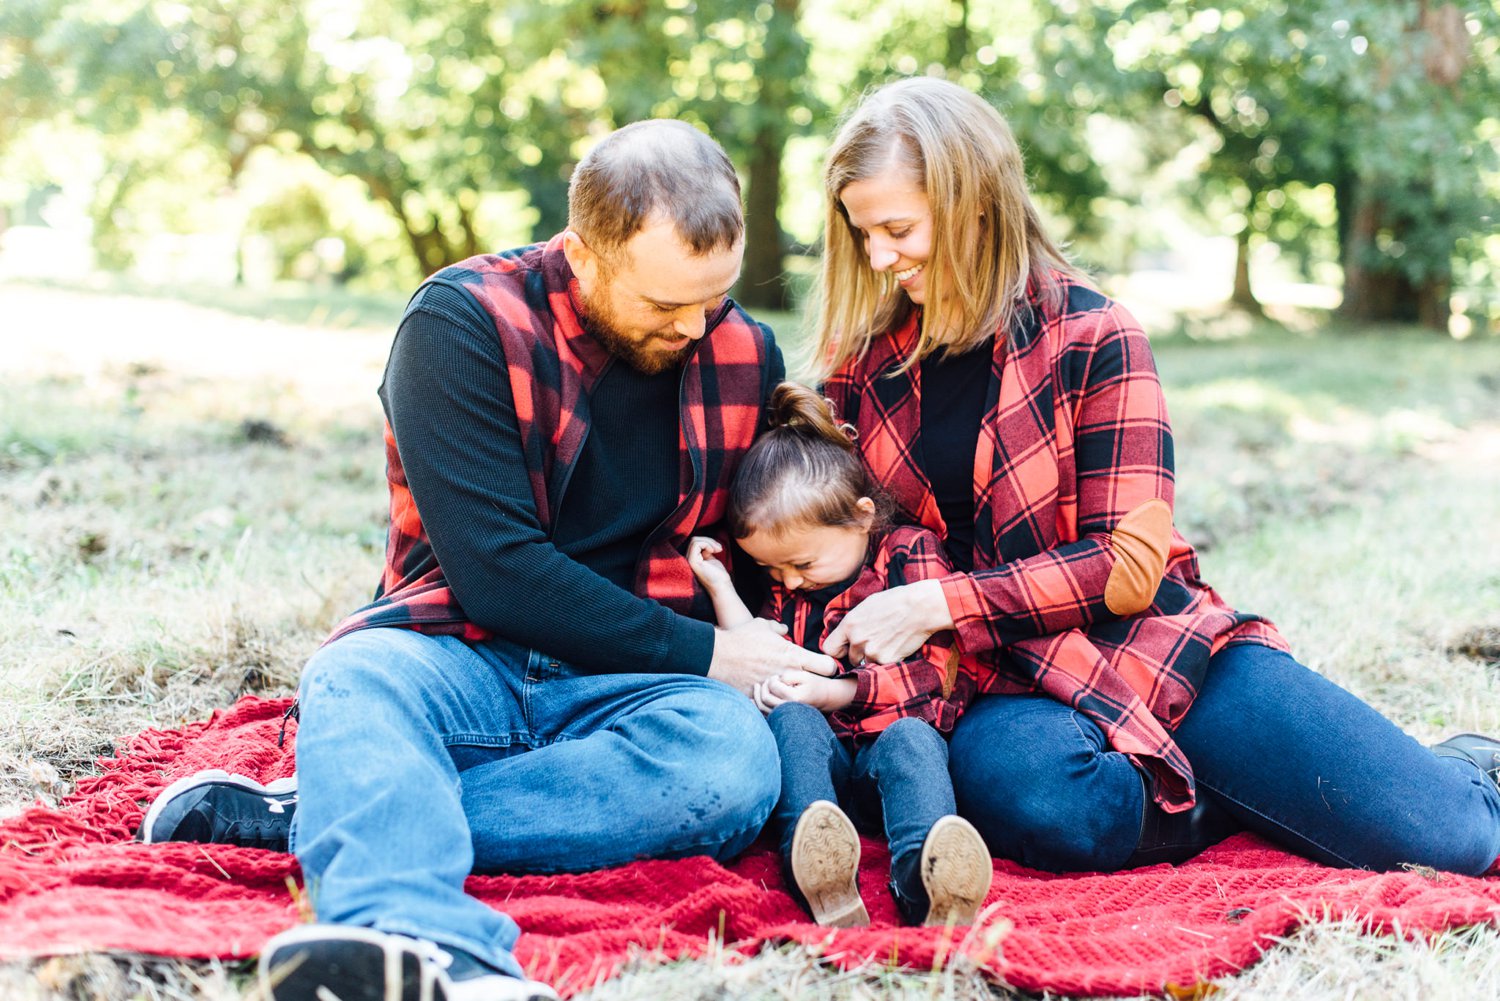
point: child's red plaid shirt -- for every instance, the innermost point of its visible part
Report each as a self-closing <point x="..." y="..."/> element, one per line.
<point x="934" y="684"/>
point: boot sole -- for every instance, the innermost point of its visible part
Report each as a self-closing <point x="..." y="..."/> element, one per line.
<point x="825" y="864"/>
<point x="171" y="793"/>
<point x="957" y="871"/>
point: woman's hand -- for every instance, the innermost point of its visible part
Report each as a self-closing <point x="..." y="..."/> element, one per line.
<point x="823" y="694"/>
<point x="890" y="626"/>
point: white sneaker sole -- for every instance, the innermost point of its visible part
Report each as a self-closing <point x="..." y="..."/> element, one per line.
<point x="389" y="968"/>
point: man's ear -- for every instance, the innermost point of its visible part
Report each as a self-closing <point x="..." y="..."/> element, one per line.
<point x="582" y="259"/>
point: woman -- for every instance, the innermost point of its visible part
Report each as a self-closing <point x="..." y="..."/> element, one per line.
<point x="1131" y="716"/>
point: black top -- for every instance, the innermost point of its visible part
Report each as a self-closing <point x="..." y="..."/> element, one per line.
<point x="953" y="398"/>
<point x="817" y="605"/>
<point x="624" y="483"/>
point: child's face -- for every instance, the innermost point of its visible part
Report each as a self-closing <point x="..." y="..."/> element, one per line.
<point x="809" y="557"/>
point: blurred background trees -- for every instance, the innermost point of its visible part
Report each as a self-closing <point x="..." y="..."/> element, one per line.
<point x="1352" y="143"/>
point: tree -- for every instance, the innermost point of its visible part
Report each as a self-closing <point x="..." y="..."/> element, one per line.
<point x="1012" y="56"/>
<point x="1415" y="165"/>
<point x="1364" y="96"/>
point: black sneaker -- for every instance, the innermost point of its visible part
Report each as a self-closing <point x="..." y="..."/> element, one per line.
<point x="347" y="963"/>
<point x="1483" y="751"/>
<point x="219" y="808"/>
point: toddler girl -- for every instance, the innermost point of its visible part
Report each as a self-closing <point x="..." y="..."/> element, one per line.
<point x="869" y="740"/>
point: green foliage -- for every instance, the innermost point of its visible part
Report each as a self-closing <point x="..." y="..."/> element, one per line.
<point x="1388" y="104"/>
<point x="1360" y="131"/>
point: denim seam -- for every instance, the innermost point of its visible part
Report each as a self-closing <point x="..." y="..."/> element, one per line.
<point x="483" y="739"/>
<point x="1074" y="717"/>
<point x="702" y="847"/>
<point x="1277" y="823"/>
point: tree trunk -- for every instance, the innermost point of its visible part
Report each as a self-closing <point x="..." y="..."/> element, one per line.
<point x="1243" y="296"/>
<point x="1375" y="289"/>
<point x="958" y="37"/>
<point x="763" y="281"/>
<point x="1375" y="292"/>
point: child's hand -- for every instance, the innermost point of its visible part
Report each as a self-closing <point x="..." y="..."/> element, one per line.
<point x="709" y="571"/>
<point x="714" y="577"/>
<point x="823" y="694"/>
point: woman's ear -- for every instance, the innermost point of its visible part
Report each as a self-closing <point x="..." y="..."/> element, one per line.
<point x="866" y="508"/>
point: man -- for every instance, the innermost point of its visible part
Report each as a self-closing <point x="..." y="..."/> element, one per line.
<point x="535" y="686"/>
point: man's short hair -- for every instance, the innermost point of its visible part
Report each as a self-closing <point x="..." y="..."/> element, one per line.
<point x="658" y="166"/>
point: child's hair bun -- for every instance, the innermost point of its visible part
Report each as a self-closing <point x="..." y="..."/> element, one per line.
<point x="796" y="407"/>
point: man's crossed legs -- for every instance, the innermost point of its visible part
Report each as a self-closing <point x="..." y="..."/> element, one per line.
<point x="421" y="759"/>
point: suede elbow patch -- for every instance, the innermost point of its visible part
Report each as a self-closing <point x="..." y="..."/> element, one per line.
<point x="1141" y="542"/>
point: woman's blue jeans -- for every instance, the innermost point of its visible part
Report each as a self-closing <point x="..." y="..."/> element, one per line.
<point x="1291" y="755"/>
<point x="898" y="781"/>
<point x="423" y="758"/>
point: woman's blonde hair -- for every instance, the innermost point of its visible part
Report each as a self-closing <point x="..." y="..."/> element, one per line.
<point x="987" y="237"/>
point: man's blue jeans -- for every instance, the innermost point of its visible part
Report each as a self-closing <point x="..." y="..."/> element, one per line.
<point x="899" y="781"/>
<point x="1291" y="755"/>
<point x="423" y="758"/>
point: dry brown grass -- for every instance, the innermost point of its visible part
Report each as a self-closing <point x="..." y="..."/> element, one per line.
<point x="192" y="497"/>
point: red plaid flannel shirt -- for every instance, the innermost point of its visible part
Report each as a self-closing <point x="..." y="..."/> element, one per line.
<point x="1073" y="488"/>
<point x="934" y="684"/>
<point x="552" y="363"/>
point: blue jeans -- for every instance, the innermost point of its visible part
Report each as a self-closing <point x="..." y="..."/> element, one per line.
<point x="423" y="758"/>
<point x="901" y="777"/>
<point x="1292" y="756"/>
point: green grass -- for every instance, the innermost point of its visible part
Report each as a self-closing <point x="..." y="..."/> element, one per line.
<point x="193" y="495"/>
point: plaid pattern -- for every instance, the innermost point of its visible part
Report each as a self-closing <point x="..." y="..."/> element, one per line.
<point x="935" y="684"/>
<point x="552" y="364"/>
<point x="1074" y="437"/>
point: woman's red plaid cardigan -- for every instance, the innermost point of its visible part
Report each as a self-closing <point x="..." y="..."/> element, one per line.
<point x="1081" y="588"/>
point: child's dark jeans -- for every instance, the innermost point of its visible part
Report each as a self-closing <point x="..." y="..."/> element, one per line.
<point x="901" y="777"/>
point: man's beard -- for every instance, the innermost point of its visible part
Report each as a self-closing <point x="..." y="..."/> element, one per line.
<point x="599" y="321"/>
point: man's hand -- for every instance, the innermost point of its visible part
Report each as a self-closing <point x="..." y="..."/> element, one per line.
<point x="757" y="651"/>
<point x="823" y="694"/>
<point x="890" y="626"/>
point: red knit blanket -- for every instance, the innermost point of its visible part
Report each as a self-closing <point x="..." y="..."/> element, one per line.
<point x="72" y="880"/>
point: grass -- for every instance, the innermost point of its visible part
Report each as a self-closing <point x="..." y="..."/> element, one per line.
<point x="193" y="492"/>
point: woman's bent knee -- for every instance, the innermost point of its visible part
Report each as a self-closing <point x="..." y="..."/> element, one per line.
<point x="1041" y="786"/>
